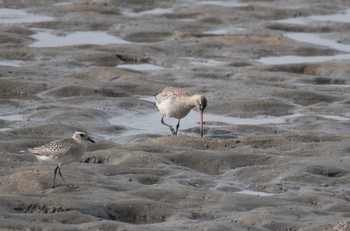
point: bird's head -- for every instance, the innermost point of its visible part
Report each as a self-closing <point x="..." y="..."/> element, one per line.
<point x="82" y="136"/>
<point x="201" y="103"/>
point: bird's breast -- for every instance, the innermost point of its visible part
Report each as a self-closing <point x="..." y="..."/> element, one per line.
<point x="174" y="108"/>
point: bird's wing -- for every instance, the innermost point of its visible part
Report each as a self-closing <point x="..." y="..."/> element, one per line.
<point x="170" y="92"/>
<point x="55" y="149"/>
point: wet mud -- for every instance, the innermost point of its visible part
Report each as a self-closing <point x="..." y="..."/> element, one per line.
<point x="275" y="151"/>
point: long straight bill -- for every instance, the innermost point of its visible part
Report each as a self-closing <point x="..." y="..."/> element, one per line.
<point x="201" y="122"/>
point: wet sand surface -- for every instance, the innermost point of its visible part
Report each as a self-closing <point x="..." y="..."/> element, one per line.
<point x="275" y="151"/>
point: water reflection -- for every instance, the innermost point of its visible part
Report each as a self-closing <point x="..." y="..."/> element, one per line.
<point x="48" y="39"/>
<point x="13" y="16"/>
<point x="312" y="38"/>
<point x="340" y="17"/>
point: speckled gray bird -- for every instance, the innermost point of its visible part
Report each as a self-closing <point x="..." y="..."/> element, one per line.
<point x="62" y="152"/>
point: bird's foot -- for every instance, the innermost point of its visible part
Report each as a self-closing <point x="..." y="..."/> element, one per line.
<point x="69" y="186"/>
<point x="73" y="186"/>
<point x="173" y="130"/>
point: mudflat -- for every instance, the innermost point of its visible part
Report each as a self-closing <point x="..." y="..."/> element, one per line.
<point x="275" y="151"/>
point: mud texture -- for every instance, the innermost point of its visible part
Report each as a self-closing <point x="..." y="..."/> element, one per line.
<point x="286" y="175"/>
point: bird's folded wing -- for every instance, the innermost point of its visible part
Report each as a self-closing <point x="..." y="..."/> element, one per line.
<point x="55" y="149"/>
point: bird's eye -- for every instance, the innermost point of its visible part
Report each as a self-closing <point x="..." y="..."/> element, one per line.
<point x="81" y="135"/>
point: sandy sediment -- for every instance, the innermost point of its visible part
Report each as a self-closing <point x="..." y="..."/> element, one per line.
<point x="275" y="151"/>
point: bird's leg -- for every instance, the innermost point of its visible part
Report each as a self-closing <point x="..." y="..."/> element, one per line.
<point x="59" y="173"/>
<point x="169" y="126"/>
<point x="177" y="126"/>
<point x="54" y="176"/>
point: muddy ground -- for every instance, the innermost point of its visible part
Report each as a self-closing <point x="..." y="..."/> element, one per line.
<point x="286" y="175"/>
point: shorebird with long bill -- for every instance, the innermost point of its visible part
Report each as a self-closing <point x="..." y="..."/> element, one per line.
<point x="177" y="103"/>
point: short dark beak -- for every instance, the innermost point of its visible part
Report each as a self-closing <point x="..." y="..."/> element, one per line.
<point x="91" y="140"/>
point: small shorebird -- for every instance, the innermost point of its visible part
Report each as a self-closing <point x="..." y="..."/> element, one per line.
<point x="62" y="152"/>
<point x="176" y="103"/>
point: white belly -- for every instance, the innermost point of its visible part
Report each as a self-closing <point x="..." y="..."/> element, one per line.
<point x="174" y="109"/>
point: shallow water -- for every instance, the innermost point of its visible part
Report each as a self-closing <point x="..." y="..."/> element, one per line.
<point x="48" y="39"/>
<point x="334" y="117"/>
<point x="255" y="193"/>
<point x="203" y="62"/>
<point x="13" y="16"/>
<point x="13" y="117"/>
<point x="155" y="11"/>
<point x="316" y="39"/>
<point x="150" y="123"/>
<point x="190" y="63"/>
<point x="312" y="38"/>
<point x="229" y="3"/>
<point x="11" y="63"/>
<point x="260" y="176"/>
<point x="141" y="67"/>
<point x="340" y="17"/>
<point x="225" y="31"/>
<point x="293" y="59"/>
<point x="137" y="123"/>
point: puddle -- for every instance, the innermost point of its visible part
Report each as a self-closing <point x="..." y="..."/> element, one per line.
<point x="183" y="63"/>
<point x="5" y="129"/>
<point x="193" y="118"/>
<point x="225" y="31"/>
<point x="14" y="117"/>
<point x="333" y="117"/>
<point x="137" y="124"/>
<point x="222" y="3"/>
<point x="203" y="62"/>
<point x="66" y="3"/>
<point x="255" y="193"/>
<point x="259" y="120"/>
<point x="11" y="63"/>
<point x="141" y="67"/>
<point x="294" y="59"/>
<point x="317" y="40"/>
<point x="12" y="121"/>
<point x="48" y="39"/>
<point x="297" y="21"/>
<point x="149" y="123"/>
<point x="12" y="16"/>
<point x="225" y="182"/>
<point x="155" y="11"/>
<point x="313" y="39"/>
<point x="341" y="17"/>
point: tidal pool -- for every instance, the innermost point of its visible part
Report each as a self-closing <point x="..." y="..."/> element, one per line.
<point x="13" y="16"/>
<point x="50" y="39"/>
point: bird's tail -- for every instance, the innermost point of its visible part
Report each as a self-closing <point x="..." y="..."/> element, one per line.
<point x="24" y="150"/>
<point x="27" y="150"/>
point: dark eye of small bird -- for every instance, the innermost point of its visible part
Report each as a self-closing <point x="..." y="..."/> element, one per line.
<point x="82" y="135"/>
